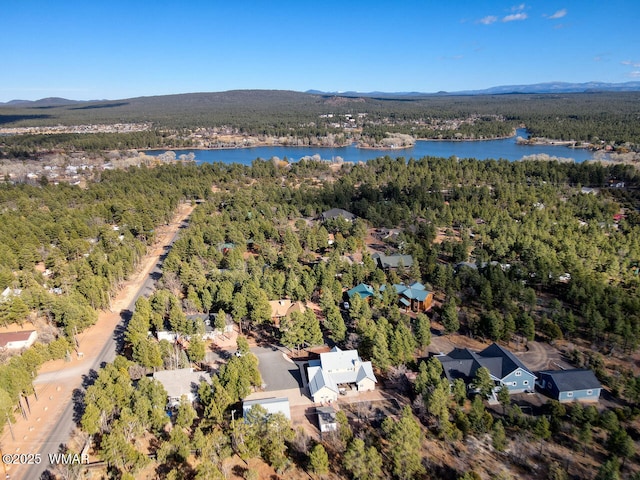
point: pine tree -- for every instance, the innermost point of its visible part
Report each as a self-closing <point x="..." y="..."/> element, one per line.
<point x="319" y="460"/>
<point x="405" y="444"/>
<point x="498" y="436"/>
<point x="450" y="320"/>
<point x="422" y="330"/>
<point x="482" y="382"/>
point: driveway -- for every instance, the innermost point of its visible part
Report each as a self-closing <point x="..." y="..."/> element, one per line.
<point x="542" y="356"/>
<point x="278" y="372"/>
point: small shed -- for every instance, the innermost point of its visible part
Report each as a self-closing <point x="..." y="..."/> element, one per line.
<point x="327" y="419"/>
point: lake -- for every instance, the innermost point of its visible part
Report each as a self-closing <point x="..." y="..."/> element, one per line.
<point x="506" y="149"/>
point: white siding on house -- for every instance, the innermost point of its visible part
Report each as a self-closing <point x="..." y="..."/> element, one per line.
<point x="366" y="385"/>
<point x="325" y="395"/>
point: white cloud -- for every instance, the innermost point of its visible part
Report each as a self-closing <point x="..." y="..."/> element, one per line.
<point x="558" y="14"/>
<point x="634" y="74"/>
<point x="488" y="20"/>
<point x="514" y="17"/>
<point x="518" y="14"/>
<point x="630" y="63"/>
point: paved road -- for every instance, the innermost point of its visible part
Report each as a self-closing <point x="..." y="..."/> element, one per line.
<point x="278" y="372"/>
<point x="63" y="428"/>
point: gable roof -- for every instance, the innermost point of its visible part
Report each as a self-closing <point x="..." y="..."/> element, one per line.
<point x="337" y="212"/>
<point x="509" y="361"/>
<point x="463" y="363"/>
<point x="414" y="291"/>
<point x="183" y="381"/>
<point x="318" y="379"/>
<point x="271" y="405"/>
<point x="339" y="360"/>
<point x="19" y="336"/>
<point x="336" y="367"/>
<point x="284" y="307"/>
<point x="363" y="290"/>
<point x="460" y="363"/>
<point x="392" y="261"/>
<point x="573" y="379"/>
<point x="365" y="371"/>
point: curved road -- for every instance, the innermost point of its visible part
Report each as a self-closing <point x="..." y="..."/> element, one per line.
<point x="61" y="431"/>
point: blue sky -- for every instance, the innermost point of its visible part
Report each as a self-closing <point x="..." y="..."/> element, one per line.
<point x="117" y="49"/>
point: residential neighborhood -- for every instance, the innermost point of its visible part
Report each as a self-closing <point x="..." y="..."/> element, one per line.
<point x="279" y="326"/>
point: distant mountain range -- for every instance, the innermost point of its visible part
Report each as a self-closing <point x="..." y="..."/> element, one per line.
<point x="43" y="102"/>
<point x="550" y="87"/>
<point x="542" y="88"/>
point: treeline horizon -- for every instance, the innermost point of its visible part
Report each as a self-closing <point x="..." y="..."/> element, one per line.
<point x="597" y="118"/>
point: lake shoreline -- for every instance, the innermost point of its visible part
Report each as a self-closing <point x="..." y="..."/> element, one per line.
<point x="506" y="148"/>
<point x="352" y="144"/>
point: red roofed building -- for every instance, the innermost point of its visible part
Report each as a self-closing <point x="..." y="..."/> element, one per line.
<point x="18" y="340"/>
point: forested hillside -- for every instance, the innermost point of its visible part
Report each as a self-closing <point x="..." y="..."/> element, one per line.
<point x="598" y="119"/>
<point x="514" y="251"/>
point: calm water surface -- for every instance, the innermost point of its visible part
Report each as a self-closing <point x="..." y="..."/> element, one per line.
<point x="506" y="149"/>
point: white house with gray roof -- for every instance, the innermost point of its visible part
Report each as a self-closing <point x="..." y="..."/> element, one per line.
<point x="336" y="370"/>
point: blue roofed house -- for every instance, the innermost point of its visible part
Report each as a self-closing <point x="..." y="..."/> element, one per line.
<point x="335" y="371"/>
<point x="570" y="385"/>
<point x="363" y="290"/>
<point x="414" y="296"/>
<point x="504" y="367"/>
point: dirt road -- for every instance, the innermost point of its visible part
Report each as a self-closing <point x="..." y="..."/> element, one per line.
<point x="42" y="429"/>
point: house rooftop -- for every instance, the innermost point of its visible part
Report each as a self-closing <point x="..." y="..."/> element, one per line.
<point x="392" y="261"/>
<point x="463" y="363"/>
<point x="363" y="290"/>
<point x="271" y="405"/>
<point x="284" y="307"/>
<point x="345" y="366"/>
<point x="573" y="379"/>
<point x="183" y="381"/>
<point x="19" y="336"/>
<point x="326" y="418"/>
<point x="414" y="291"/>
<point x="337" y="212"/>
<point x="509" y="361"/>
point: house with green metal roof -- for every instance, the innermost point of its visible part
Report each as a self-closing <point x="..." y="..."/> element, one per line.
<point x="395" y="261"/>
<point x="363" y="290"/>
<point x="414" y="296"/>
